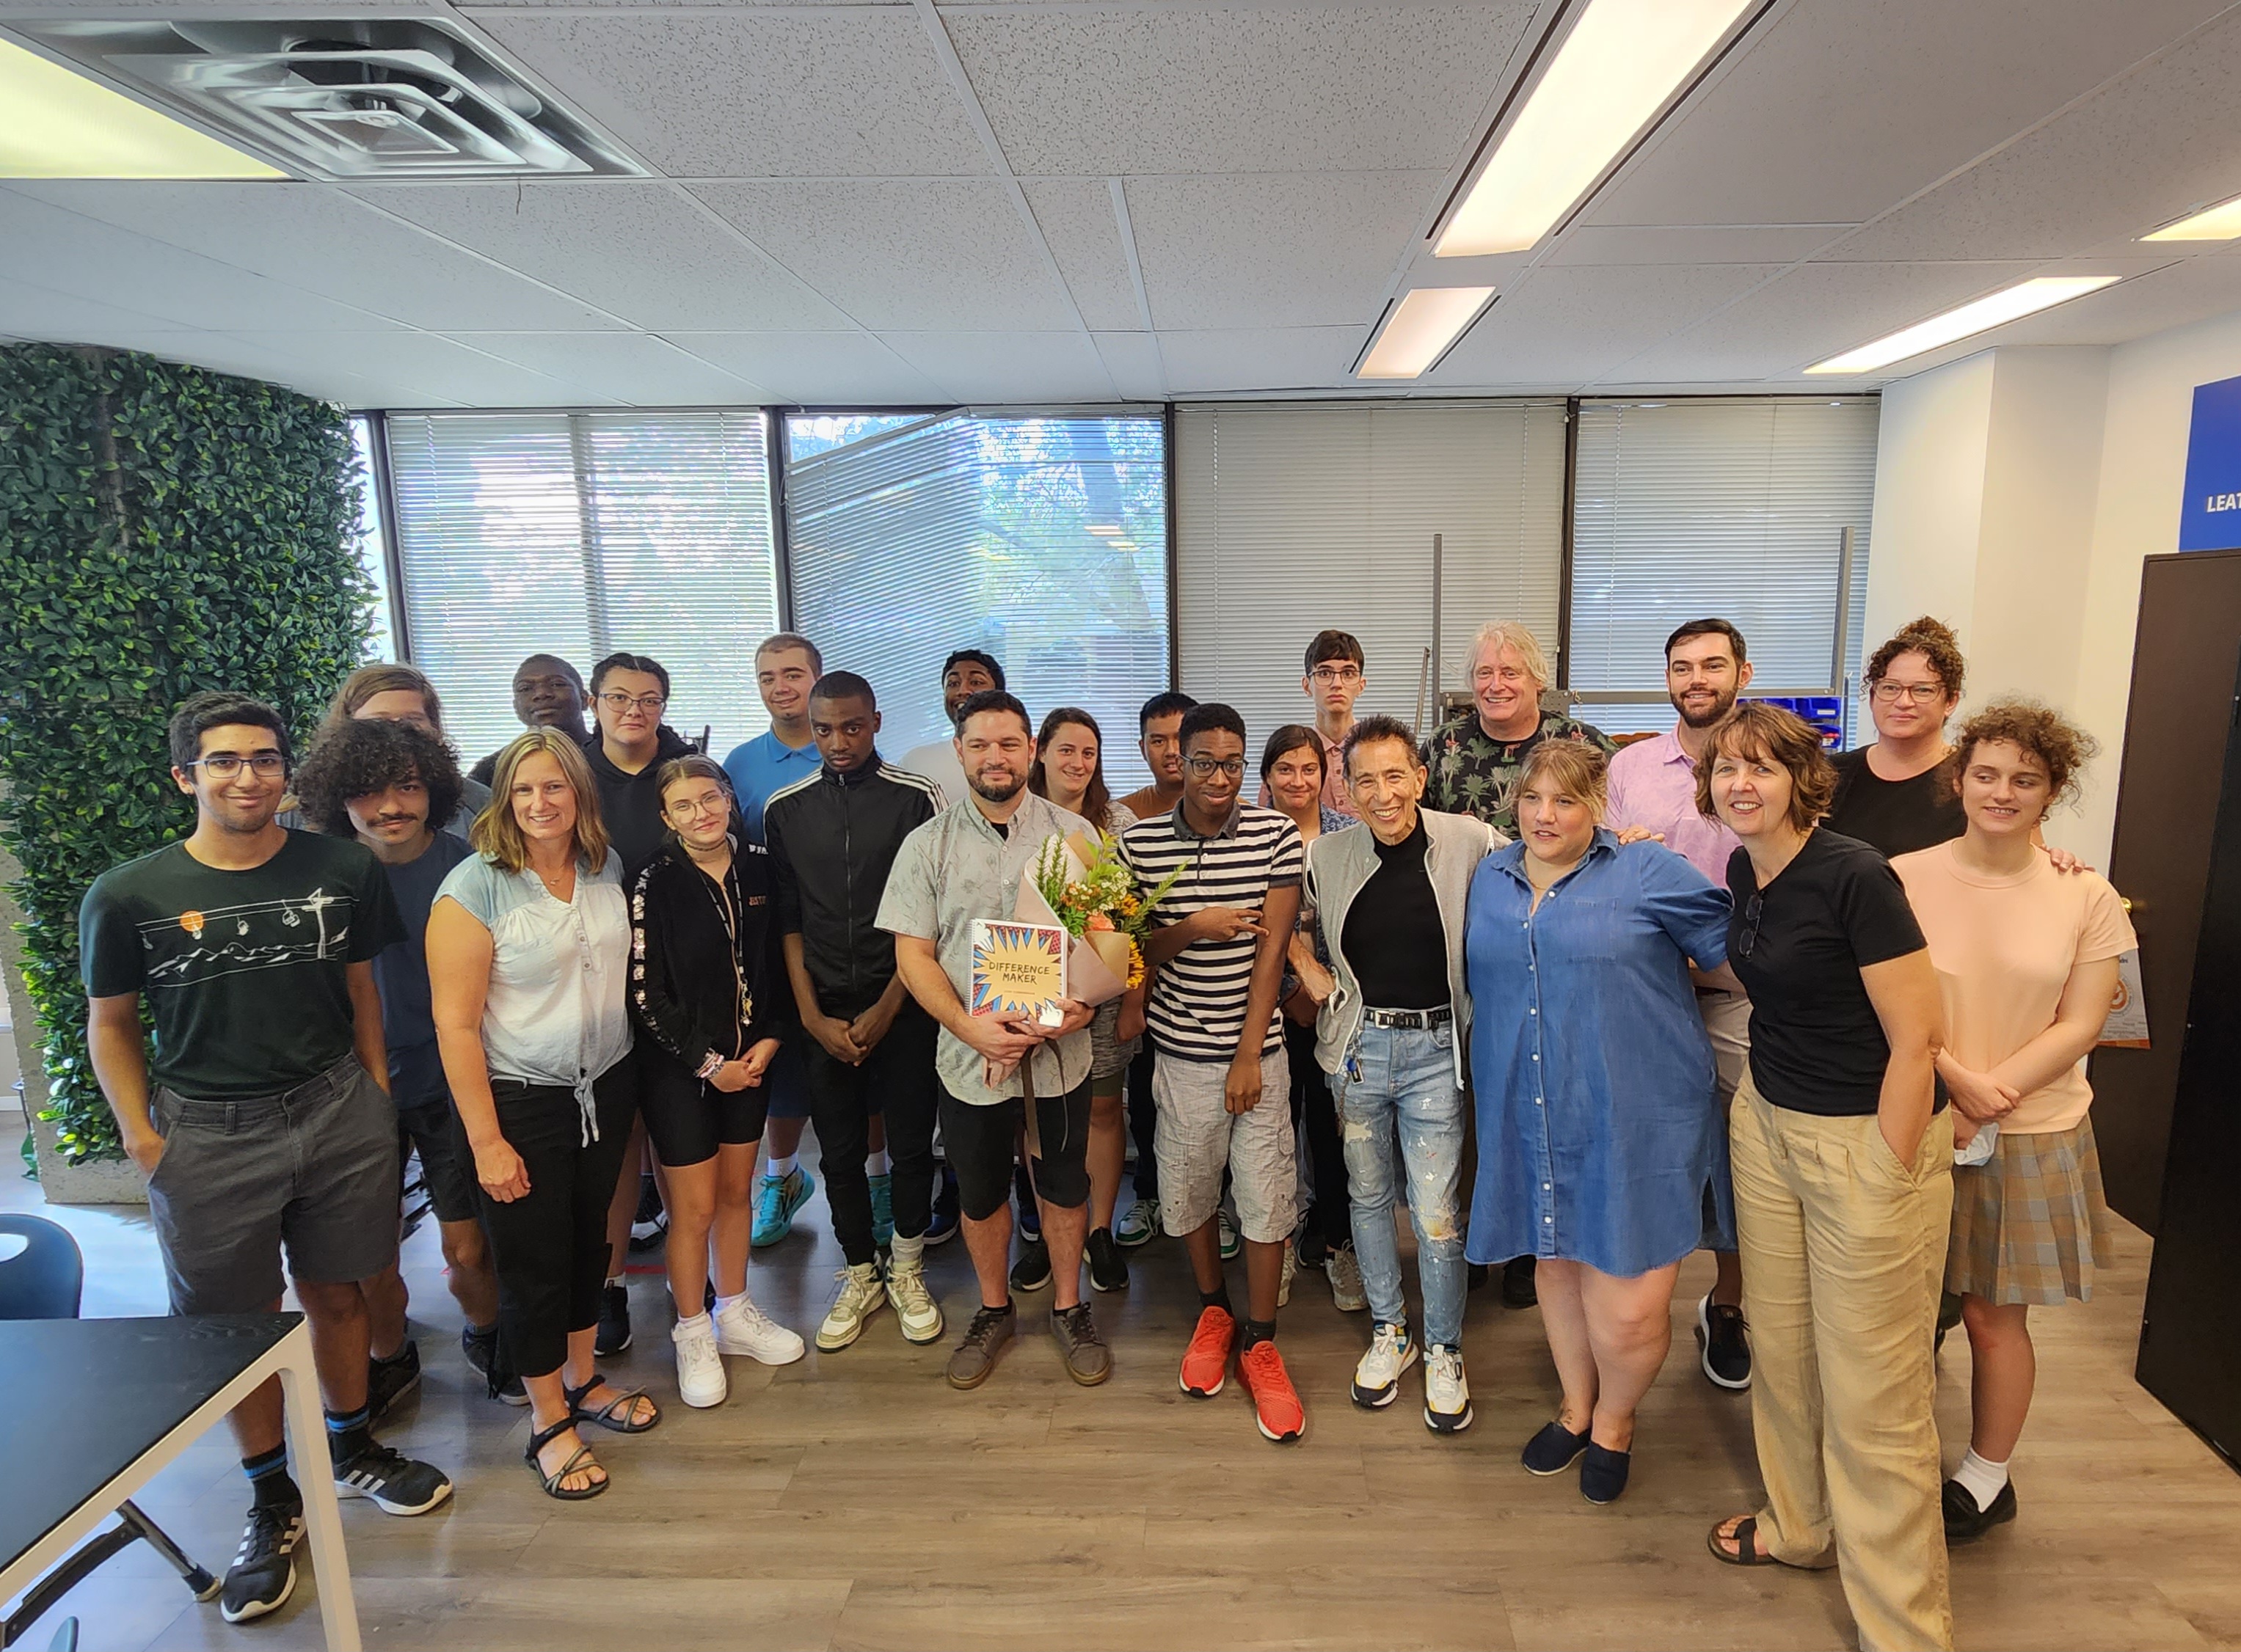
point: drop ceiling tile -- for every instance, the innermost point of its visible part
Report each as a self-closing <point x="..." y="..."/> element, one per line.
<point x="635" y="368"/>
<point x="1083" y="233"/>
<point x="817" y="369"/>
<point x="1249" y="89"/>
<point x="638" y="248"/>
<point x="1844" y="108"/>
<point x="1273" y="250"/>
<point x="1660" y="244"/>
<point x="30" y="311"/>
<point x="1133" y="360"/>
<point x="423" y="363"/>
<point x="1007" y="366"/>
<point x="911" y="254"/>
<point x="1568" y="327"/>
<point x="1200" y="364"/>
<point x="756" y="92"/>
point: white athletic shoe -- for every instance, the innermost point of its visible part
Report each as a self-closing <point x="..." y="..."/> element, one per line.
<point x="701" y="1380"/>
<point x="915" y="1309"/>
<point x="1345" y="1276"/>
<point x="745" y="1329"/>
<point x="1377" y="1378"/>
<point x="1447" y="1391"/>
<point x="858" y="1299"/>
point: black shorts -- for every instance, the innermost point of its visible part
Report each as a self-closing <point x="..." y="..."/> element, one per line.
<point x="689" y="1118"/>
<point x="447" y="1165"/>
<point x="981" y="1143"/>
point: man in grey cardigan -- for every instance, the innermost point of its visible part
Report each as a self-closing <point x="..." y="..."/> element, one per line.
<point x="1389" y="894"/>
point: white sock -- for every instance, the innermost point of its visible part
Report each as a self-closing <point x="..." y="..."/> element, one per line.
<point x="778" y="1169"/>
<point x="725" y="1304"/>
<point x="908" y="1253"/>
<point x="1982" y="1479"/>
<point x="694" y="1326"/>
<point x="876" y="1163"/>
<point x="614" y="1279"/>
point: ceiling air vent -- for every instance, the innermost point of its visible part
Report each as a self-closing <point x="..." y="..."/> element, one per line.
<point x="346" y="98"/>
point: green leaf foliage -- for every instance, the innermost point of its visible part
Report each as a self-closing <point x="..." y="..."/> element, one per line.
<point x="163" y="529"/>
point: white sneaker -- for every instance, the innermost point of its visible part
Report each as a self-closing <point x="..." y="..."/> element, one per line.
<point x="1139" y="1224"/>
<point x="915" y="1309"/>
<point x="1284" y="1279"/>
<point x="1344" y="1273"/>
<point x="1377" y="1378"/>
<point x="1447" y="1391"/>
<point x="858" y="1299"/>
<point x="700" y="1379"/>
<point x="745" y="1329"/>
<point x="1226" y="1227"/>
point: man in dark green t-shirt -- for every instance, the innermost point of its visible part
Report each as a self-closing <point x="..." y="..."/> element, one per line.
<point x="259" y="1118"/>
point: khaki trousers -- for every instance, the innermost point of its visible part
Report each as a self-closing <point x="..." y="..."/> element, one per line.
<point x="1843" y="1247"/>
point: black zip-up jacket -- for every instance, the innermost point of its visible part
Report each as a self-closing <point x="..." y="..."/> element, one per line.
<point x="630" y="805"/>
<point x="832" y="839"/>
<point x="684" y="990"/>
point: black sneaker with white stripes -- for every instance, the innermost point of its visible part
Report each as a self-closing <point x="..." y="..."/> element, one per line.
<point x="394" y="1483"/>
<point x="263" y="1575"/>
<point x="389" y="1380"/>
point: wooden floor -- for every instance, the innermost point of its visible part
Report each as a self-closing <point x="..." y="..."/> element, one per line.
<point x="855" y="1500"/>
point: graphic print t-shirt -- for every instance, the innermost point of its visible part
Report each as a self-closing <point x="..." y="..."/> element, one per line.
<point x="245" y="973"/>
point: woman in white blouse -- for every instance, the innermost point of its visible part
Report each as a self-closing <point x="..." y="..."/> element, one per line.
<point x="528" y="952"/>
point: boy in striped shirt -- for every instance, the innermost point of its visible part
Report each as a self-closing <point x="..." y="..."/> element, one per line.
<point x="1220" y="1080"/>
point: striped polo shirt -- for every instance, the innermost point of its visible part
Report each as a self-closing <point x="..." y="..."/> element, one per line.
<point x="1197" y="1007"/>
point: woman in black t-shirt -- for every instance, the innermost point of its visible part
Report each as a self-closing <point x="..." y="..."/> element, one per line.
<point x="1888" y="795"/>
<point x="1843" y="1183"/>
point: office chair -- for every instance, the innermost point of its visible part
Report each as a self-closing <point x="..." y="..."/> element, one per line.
<point x="47" y="1281"/>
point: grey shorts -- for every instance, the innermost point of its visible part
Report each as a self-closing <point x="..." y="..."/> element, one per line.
<point x="1198" y="1137"/>
<point x="313" y="1171"/>
<point x="447" y="1166"/>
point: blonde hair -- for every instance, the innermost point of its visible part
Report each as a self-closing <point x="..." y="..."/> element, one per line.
<point x="497" y="835"/>
<point x="1509" y="634"/>
<point x="1572" y="766"/>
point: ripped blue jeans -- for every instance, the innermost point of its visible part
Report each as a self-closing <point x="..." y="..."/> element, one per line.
<point x="1402" y="1080"/>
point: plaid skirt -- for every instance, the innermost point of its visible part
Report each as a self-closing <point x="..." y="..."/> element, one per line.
<point x="2030" y="1224"/>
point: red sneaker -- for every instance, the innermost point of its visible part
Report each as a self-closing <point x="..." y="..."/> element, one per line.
<point x="1276" y="1404"/>
<point x="1206" y="1361"/>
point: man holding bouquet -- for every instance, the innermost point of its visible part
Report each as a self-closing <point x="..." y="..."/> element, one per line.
<point x="967" y="862"/>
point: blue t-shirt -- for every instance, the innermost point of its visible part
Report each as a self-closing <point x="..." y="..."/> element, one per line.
<point x="408" y="1021"/>
<point x="759" y="767"/>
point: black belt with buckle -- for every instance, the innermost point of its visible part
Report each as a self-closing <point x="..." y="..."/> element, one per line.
<point x="1420" y="1018"/>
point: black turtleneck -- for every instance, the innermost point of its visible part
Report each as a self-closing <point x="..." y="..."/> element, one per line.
<point x="1393" y="940"/>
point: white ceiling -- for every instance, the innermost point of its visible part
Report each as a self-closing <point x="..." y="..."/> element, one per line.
<point x="1074" y="200"/>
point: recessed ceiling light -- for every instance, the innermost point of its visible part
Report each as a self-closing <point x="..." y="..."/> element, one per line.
<point x="1103" y="528"/>
<point x="1612" y="72"/>
<point x="1995" y="310"/>
<point x="55" y="124"/>
<point x="2219" y="223"/>
<point x="1121" y="544"/>
<point x="1419" y="329"/>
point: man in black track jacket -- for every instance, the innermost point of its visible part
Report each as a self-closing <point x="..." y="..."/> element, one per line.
<point x="832" y="838"/>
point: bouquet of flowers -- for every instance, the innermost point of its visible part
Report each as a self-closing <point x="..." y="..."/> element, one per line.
<point x="1096" y="898"/>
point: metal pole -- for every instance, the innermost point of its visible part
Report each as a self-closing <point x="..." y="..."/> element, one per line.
<point x="1840" y="658"/>
<point x="1438" y="583"/>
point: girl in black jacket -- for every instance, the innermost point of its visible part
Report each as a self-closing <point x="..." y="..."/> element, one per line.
<point x="708" y="988"/>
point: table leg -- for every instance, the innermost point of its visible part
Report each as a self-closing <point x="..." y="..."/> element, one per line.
<point x="323" y="1521"/>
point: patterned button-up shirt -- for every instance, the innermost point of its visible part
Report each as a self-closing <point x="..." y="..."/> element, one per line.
<point x="1475" y="774"/>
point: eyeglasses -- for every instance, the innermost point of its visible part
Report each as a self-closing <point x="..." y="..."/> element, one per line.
<point x="1329" y="674"/>
<point x="224" y="765"/>
<point x="685" y="807"/>
<point x="615" y="700"/>
<point x="1753" y="911"/>
<point x="1206" y="768"/>
<point x="1891" y="693"/>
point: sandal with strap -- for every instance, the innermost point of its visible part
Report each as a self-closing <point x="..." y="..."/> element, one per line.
<point x="1745" y="1538"/>
<point x="605" y="1415"/>
<point x="580" y="1460"/>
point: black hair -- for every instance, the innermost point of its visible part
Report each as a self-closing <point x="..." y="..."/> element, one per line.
<point x="1688" y="629"/>
<point x="355" y="758"/>
<point x="1333" y="645"/>
<point x="1369" y="729"/>
<point x="630" y="662"/>
<point x="574" y="675"/>
<point x="974" y="656"/>
<point x="1213" y="718"/>
<point x="843" y="685"/>
<point x="1097" y="797"/>
<point x="214" y="708"/>
<point x="993" y="700"/>
<point x="1291" y="737"/>
<point x="1163" y="705"/>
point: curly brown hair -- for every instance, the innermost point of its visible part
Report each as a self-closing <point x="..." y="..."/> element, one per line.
<point x="2062" y="749"/>
<point x="1934" y="640"/>
<point x="1756" y="730"/>
<point x="355" y="759"/>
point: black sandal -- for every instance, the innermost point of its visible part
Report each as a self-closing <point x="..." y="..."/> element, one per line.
<point x="604" y="1416"/>
<point x="582" y="1459"/>
<point x="1745" y="1538"/>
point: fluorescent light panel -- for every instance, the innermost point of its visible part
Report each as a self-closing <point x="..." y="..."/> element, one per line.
<point x="1421" y="328"/>
<point x="2220" y="222"/>
<point x="1996" y="309"/>
<point x="1614" y="71"/>
<point x="55" y="124"/>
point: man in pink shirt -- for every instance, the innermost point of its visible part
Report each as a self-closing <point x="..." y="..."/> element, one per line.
<point x="1652" y="785"/>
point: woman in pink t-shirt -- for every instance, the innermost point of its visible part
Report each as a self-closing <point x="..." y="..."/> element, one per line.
<point x="2027" y="959"/>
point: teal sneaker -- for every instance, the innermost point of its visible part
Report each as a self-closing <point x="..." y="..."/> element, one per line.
<point x="776" y="1200"/>
<point x="883" y="1210"/>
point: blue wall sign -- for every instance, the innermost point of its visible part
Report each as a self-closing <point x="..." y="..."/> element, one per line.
<point x="2210" y="517"/>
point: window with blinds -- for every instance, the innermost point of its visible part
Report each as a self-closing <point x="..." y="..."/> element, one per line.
<point x="1040" y="539"/>
<point x="583" y="535"/>
<point x="1293" y="518"/>
<point x="1753" y="511"/>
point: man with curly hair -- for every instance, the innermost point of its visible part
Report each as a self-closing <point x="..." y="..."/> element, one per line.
<point x="385" y="783"/>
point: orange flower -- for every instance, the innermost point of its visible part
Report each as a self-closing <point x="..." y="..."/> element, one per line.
<point x="1099" y="921"/>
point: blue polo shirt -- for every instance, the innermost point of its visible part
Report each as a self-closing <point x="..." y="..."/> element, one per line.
<point x="759" y="767"/>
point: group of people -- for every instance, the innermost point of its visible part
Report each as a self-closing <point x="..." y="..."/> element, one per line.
<point x="1584" y="1009"/>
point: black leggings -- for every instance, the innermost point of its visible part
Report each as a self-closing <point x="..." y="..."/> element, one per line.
<point x="1315" y="1111"/>
<point x="1143" y="1118"/>
<point x="897" y="1078"/>
<point x="550" y="1246"/>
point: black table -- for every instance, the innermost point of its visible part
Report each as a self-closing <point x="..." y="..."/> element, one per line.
<point x="96" y="1407"/>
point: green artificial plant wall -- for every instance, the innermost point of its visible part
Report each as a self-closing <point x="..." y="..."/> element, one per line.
<point x="163" y="529"/>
